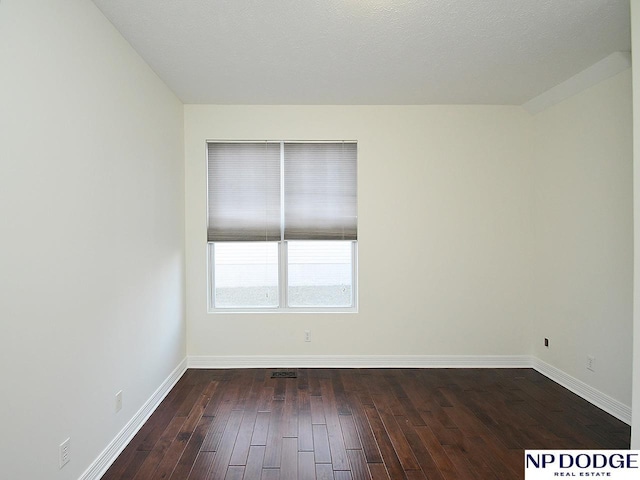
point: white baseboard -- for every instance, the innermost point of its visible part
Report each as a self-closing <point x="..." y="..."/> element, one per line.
<point x="596" y="397"/>
<point x="592" y="395"/>
<point x="361" y="361"/>
<point x="100" y="465"/>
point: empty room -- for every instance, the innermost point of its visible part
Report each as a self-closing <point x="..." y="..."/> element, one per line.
<point x="301" y="239"/>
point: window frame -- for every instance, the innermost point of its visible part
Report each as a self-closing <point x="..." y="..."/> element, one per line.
<point x="283" y="285"/>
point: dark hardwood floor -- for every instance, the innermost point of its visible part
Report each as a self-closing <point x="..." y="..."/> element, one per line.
<point x="356" y="424"/>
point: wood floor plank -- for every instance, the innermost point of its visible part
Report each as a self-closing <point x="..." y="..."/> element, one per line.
<point x="243" y="440"/>
<point x="273" y="452"/>
<point x="266" y="396"/>
<point x="129" y="459"/>
<point x="154" y="458"/>
<point x="279" y="389"/>
<point x="358" y="465"/>
<point x="420" y="451"/>
<point x="129" y="468"/>
<point x="171" y="458"/>
<point x="463" y="417"/>
<point x="437" y="452"/>
<point x="317" y="410"/>
<point x="342" y="475"/>
<point x="378" y="471"/>
<point x="289" y="462"/>
<point x="321" y="444"/>
<point x="191" y="399"/>
<point x="430" y="411"/>
<point x="227" y="442"/>
<point x="133" y="467"/>
<point x="371" y="424"/>
<point x="234" y="472"/>
<point x="410" y="411"/>
<point x="192" y="449"/>
<point x="339" y="458"/>
<point x="161" y="419"/>
<point x="339" y="395"/>
<point x="305" y="431"/>
<point x="369" y="445"/>
<point x="463" y="468"/>
<point x="175" y="451"/>
<point x="202" y="466"/>
<point x="394" y="432"/>
<point x="350" y="380"/>
<point x="247" y="426"/>
<point x="349" y="433"/>
<point x="198" y="409"/>
<point x="270" y="474"/>
<point x="219" y="423"/>
<point x="216" y="401"/>
<point x="254" y="462"/>
<point x="550" y="413"/>
<point x="389" y="456"/>
<point x="290" y="411"/>
<point x="485" y="417"/>
<point x="499" y="462"/>
<point x="303" y="379"/>
<point x="324" y="471"/>
<point x="314" y="382"/>
<point x="261" y="428"/>
<point x="306" y="466"/>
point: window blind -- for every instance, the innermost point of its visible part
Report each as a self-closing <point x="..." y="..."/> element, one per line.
<point x="243" y="192"/>
<point x="320" y="192"/>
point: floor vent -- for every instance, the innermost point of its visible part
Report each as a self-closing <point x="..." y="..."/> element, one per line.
<point x="284" y="374"/>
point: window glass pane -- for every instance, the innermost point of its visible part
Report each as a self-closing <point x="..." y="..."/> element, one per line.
<point x="246" y="274"/>
<point x="319" y="273"/>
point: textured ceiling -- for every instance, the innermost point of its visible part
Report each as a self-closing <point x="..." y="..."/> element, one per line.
<point x="369" y="51"/>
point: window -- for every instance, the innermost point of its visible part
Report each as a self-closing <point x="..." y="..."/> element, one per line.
<point x="282" y="226"/>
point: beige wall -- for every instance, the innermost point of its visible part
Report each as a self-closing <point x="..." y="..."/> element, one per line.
<point x="584" y="236"/>
<point x="445" y="232"/>
<point x="92" y="209"/>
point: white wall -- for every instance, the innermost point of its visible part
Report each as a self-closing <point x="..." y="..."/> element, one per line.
<point x="635" y="47"/>
<point x="445" y="231"/>
<point x="92" y="228"/>
<point x="584" y="236"/>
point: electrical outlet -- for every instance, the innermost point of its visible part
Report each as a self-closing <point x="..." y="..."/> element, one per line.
<point x="591" y="363"/>
<point x="65" y="452"/>
<point x="546" y="342"/>
<point x="307" y="335"/>
<point x="118" y="401"/>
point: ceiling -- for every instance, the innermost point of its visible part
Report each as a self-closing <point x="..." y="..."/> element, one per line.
<point x="369" y="51"/>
